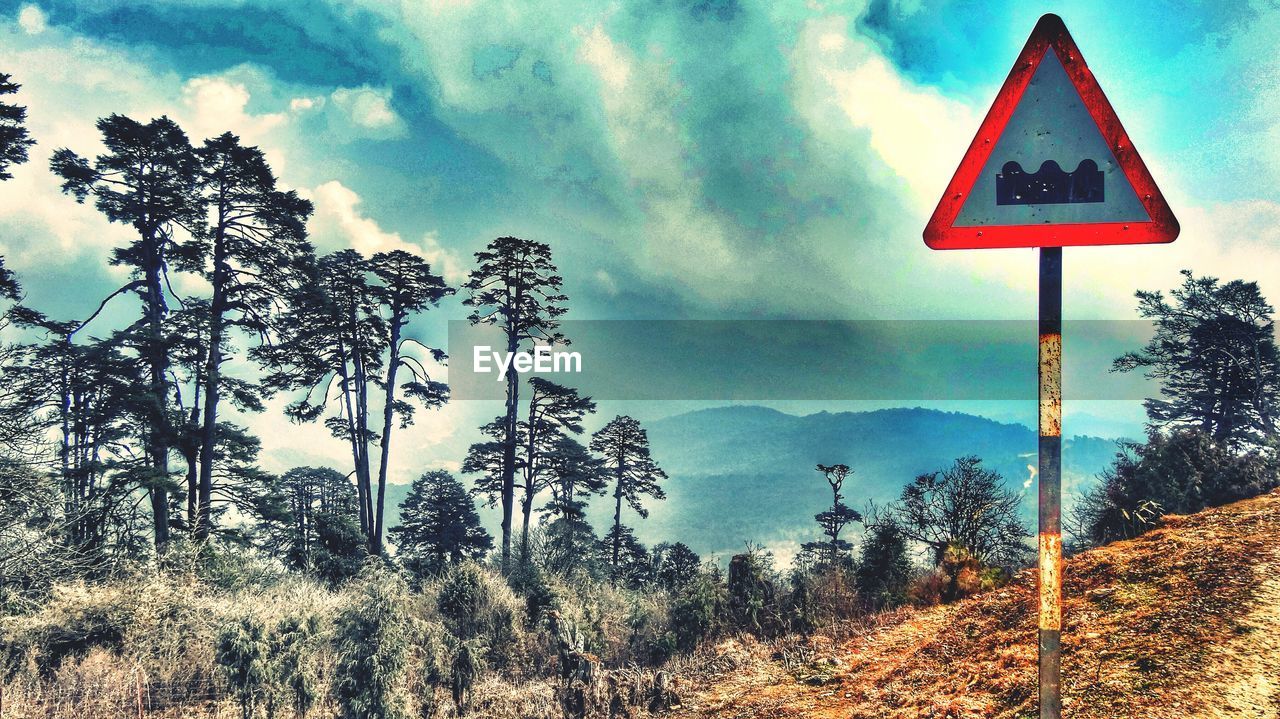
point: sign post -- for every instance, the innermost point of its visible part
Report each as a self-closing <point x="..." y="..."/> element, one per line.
<point x="1050" y="167"/>
<point x="1050" y="474"/>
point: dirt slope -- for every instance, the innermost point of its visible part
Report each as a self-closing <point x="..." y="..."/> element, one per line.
<point x="1182" y="622"/>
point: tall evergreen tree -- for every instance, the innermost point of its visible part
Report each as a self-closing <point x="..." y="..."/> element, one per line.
<point x="439" y="527"/>
<point x="575" y="476"/>
<point x="86" y="394"/>
<point x="884" y="569"/>
<point x="330" y="346"/>
<point x="314" y="494"/>
<point x="555" y="412"/>
<point x="833" y="521"/>
<point x="623" y="445"/>
<point x="407" y="287"/>
<point x="345" y="334"/>
<point x="515" y="287"/>
<point x="251" y="252"/>
<point x="15" y="141"/>
<point x="1214" y="353"/>
<point x="678" y="565"/>
<point x="146" y="179"/>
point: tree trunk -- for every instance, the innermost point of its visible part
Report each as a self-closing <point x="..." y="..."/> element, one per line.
<point x="509" y="454"/>
<point x="617" y="524"/>
<point x="361" y="425"/>
<point x="157" y="357"/>
<point x="212" y="382"/>
<point x="355" y="450"/>
<point x="388" y="414"/>
<point x="530" y="477"/>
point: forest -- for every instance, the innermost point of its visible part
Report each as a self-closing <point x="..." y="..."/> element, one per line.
<point x="148" y="561"/>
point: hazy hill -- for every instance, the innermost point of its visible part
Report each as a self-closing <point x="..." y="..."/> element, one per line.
<point x="1182" y="622"/>
<point x="746" y="473"/>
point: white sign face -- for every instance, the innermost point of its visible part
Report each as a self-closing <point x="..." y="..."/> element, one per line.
<point x="1051" y="164"/>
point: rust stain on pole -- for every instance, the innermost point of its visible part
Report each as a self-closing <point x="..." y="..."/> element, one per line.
<point x="1051" y="385"/>
<point x="1051" y="581"/>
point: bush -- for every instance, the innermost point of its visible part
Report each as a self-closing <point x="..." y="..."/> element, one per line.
<point x="478" y="606"/>
<point x="753" y="604"/>
<point x="696" y="611"/>
<point x="372" y="641"/>
<point x="295" y="679"/>
<point x="242" y="658"/>
<point x="822" y="594"/>
<point x="1178" y="473"/>
<point x="957" y="576"/>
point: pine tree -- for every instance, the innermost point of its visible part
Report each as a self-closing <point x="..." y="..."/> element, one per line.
<point x="515" y="287"/>
<point x="407" y="287"/>
<point x="346" y="331"/>
<point x="884" y="569"/>
<point x="555" y="412"/>
<point x="834" y="550"/>
<point x="147" y="179"/>
<point x="678" y="565"/>
<point x="311" y="493"/>
<point x="624" y="448"/>
<point x="439" y="527"/>
<point x="1214" y="353"/>
<point x="15" y="141"/>
<point x="251" y="252"/>
<point x="575" y="476"/>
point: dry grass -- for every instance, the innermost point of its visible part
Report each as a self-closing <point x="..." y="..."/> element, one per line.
<point x="1179" y="622"/>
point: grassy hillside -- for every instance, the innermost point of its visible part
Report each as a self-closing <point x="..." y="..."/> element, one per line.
<point x="1180" y="622"/>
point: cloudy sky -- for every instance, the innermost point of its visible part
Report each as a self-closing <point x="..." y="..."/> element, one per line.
<point x="685" y="160"/>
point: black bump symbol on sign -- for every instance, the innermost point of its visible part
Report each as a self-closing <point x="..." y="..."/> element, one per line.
<point x="1049" y="185"/>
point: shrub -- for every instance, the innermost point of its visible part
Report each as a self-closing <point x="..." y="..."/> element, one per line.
<point x="372" y="644"/>
<point x="957" y="576"/>
<point x="292" y="652"/>
<point x="1177" y="473"/>
<point x="466" y="668"/>
<point x="242" y="658"/>
<point x="753" y="602"/>
<point x="821" y="593"/>
<point x="696" y="612"/>
<point x="478" y="606"/>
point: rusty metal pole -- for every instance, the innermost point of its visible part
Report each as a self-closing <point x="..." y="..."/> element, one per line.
<point x="1050" y="473"/>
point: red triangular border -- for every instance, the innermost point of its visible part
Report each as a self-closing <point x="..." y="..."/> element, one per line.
<point x="941" y="234"/>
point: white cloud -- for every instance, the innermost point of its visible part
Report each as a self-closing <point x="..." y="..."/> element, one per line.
<point x="338" y="223"/>
<point x="32" y="19"/>
<point x="369" y="108"/>
<point x="217" y="103"/>
<point x="444" y="261"/>
<point x="302" y="104"/>
<point x="606" y="282"/>
<point x="683" y="239"/>
<point x="917" y="132"/>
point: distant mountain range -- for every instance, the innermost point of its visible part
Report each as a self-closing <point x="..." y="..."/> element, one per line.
<point x="746" y="474"/>
<point x="742" y="474"/>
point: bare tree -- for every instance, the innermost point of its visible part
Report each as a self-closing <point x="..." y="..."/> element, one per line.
<point x="967" y="505"/>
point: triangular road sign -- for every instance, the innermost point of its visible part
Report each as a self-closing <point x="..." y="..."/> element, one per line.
<point x="1051" y="165"/>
